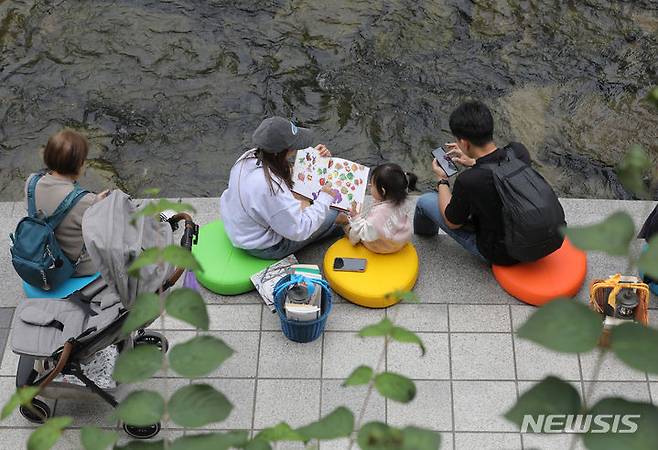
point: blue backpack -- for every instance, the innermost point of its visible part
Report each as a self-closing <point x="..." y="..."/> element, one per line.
<point x="35" y="252"/>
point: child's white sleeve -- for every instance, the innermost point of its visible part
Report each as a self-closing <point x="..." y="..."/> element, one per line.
<point x="361" y="230"/>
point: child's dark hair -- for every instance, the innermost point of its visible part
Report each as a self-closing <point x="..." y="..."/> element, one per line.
<point x="392" y="182"/>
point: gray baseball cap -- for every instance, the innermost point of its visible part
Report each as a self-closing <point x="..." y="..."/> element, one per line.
<point x="276" y="134"/>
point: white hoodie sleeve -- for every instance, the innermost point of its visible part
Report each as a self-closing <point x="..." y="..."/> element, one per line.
<point x="287" y="218"/>
<point x="361" y="230"/>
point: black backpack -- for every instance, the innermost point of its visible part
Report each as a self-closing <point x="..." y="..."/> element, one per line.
<point x="649" y="230"/>
<point x="650" y="227"/>
<point x="532" y="213"/>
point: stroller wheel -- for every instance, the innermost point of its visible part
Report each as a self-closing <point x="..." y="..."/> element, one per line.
<point x="152" y="338"/>
<point x="145" y="432"/>
<point x="38" y="413"/>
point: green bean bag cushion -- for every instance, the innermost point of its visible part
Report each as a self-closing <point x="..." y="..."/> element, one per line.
<point x="226" y="269"/>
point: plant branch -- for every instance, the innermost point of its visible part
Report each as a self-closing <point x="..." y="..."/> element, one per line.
<point x="366" y="400"/>
<point x="371" y="385"/>
<point x="588" y="394"/>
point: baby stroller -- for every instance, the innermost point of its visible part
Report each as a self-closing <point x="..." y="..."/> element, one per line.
<point x="58" y="338"/>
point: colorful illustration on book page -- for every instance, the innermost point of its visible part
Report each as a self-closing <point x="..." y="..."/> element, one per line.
<point x="304" y="170"/>
<point x="347" y="179"/>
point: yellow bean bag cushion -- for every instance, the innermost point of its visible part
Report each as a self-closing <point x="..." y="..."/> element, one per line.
<point x="384" y="274"/>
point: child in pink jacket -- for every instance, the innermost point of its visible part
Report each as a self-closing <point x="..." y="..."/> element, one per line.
<point x="385" y="226"/>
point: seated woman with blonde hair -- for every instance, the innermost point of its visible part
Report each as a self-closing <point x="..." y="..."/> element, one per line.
<point x="65" y="156"/>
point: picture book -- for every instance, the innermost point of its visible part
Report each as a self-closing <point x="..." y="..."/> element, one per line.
<point x="312" y="172"/>
<point x="266" y="279"/>
<point x="307" y="270"/>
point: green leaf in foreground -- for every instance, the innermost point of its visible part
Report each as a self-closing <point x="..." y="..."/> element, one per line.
<point x="644" y="438"/>
<point x="550" y="396"/>
<point x="279" y="432"/>
<point x="403" y="335"/>
<point x="22" y="396"/>
<point x="563" y="325"/>
<point x="382" y="328"/>
<point x="632" y="169"/>
<point x="415" y="438"/>
<point x="379" y="436"/>
<point x="199" y="356"/>
<point x="141" y="408"/>
<point x="47" y="435"/>
<point x="403" y="296"/>
<point x="180" y="257"/>
<point x="148" y="257"/>
<point x="187" y="305"/>
<point x="636" y="345"/>
<point x="339" y="423"/>
<point x="145" y="310"/>
<point x="138" y="364"/>
<point x="360" y="376"/>
<point x="143" y="445"/>
<point x="93" y="438"/>
<point x="395" y="387"/>
<point x="648" y="262"/>
<point x="214" y="441"/>
<point x="197" y="405"/>
<point x="258" y="444"/>
<point x="612" y="236"/>
<point x="153" y="208"/>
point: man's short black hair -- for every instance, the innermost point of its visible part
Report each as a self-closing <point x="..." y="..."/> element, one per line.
<point x="472" y="121"/>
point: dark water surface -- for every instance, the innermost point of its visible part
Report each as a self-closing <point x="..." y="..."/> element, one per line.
<point x="168" y="92"/>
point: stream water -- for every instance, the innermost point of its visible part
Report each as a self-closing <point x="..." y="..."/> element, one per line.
<point x="169" y="91"/>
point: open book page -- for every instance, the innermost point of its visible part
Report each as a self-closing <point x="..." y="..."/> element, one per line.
<point x="312" y="172"/>
<point x="266" y="279"/>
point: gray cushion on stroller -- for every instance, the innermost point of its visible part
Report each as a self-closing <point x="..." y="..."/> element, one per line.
<point x="42" y="326"/>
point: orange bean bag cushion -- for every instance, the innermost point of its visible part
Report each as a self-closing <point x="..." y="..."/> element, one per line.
<point x="560" y="274"/>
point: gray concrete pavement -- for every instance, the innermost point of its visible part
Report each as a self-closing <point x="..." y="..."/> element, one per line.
<point x="474" y="369"/>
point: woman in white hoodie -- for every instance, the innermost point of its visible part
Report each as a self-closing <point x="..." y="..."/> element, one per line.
<point x="260" y="213"/>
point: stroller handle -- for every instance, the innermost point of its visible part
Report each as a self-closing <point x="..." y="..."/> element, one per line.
<point x="191" y="233"/>
<point x="190" y="237"/>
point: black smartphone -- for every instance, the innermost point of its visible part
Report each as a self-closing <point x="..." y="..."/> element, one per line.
<point x="444" y="161"/>
<point x="350" y="264"/>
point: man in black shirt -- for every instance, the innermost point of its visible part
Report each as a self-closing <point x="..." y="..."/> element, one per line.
<point x="472" y="213"/>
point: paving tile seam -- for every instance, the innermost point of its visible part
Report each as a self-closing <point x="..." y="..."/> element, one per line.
<point x="523" y="380"/>
<point x="649" y="386"/>
<point x="321" y="375"/>
<point x="254" y="403"/>
<point x="512" y="302"/>
<point x="468" y="380"/>
<point x="452" y="388"/>
<point x="355" y="331"/>
<point x="516" y="370"/>
<point x="78" y="427"/>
